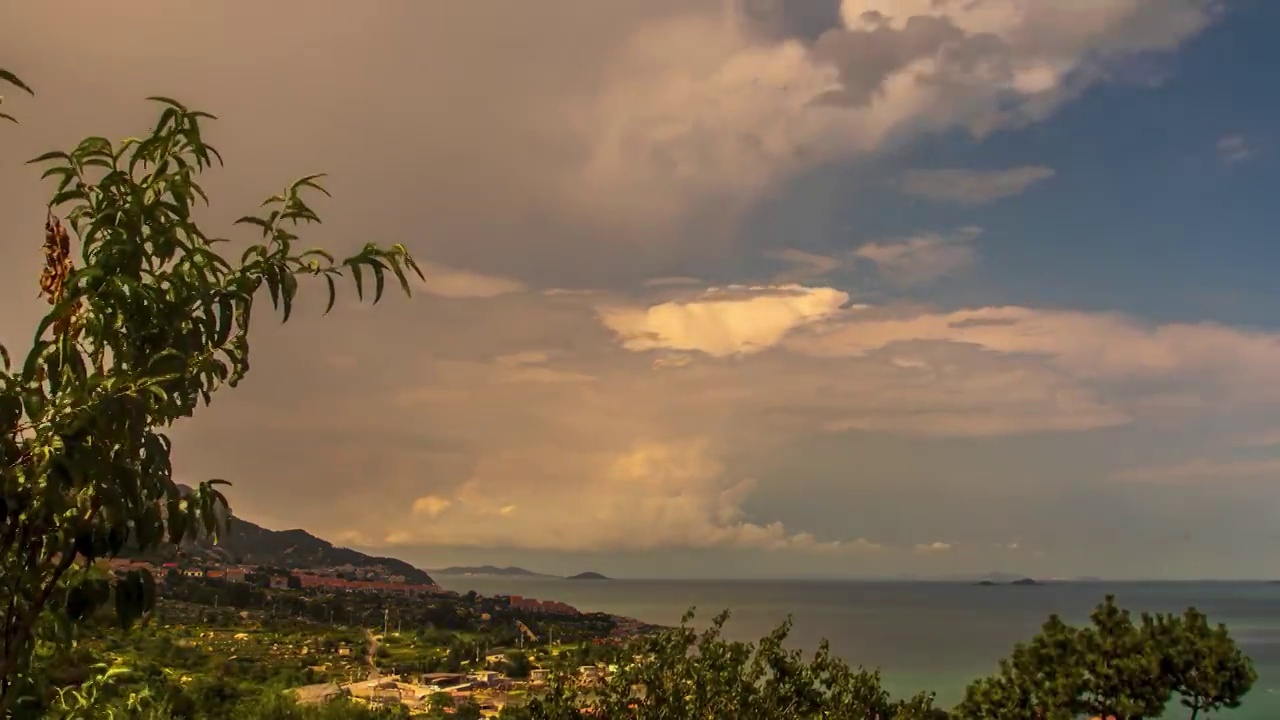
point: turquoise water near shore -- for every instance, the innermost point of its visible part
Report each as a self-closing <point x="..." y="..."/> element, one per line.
<point x="922" y="635"/>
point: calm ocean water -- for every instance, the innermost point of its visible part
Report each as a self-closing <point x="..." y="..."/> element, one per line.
<point x="922" y="635"/>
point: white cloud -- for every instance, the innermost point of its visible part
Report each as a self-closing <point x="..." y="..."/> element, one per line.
<point x="637" y="459"/>
<point x="697" y="107"/>
<point x="923" y="258"/>
<point x="1234" y="148"/>
<point x="1097" y="347"/>
<point x="934" y="547"/>
<point x="654" y="495"/>
<point x="973" y="187"/>
<point x="723" y="322"/>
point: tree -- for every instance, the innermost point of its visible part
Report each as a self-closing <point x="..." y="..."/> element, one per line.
<point x="1202" y="663"/>
<point x="685" y="674"/>
<point x="1114" y="668"/>
<point x="147" y="321"/>
<point x="517" y="665"/>
<point x="439" y="702"/>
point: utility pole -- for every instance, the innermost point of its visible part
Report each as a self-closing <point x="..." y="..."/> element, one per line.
<point x="386" y="614"/>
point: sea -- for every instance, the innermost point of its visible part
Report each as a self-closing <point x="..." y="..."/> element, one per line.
<point x="935" y="636"/>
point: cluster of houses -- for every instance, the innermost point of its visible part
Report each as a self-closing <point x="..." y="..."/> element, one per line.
<point x="550" y="607"/>
<point x="335" y="579"/>
<point x="485" y="687"/>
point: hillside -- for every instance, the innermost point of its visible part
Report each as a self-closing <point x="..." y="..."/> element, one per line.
<point x="250" y="544"/>
<point x="509" y="571"/>
<point x="587" y="576"/>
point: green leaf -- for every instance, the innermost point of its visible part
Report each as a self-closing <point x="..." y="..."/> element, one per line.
<point x="333" y="295"/>
<point x="61" y="170"/>
<point x="400" y="276"/>
<point x="10" y="411"/>
<point x="308" y="181"/>
<point x="168" y="101"/>
<point x="379" y="281"/>
<point x="226" y="321"/>
<point x="273" y="285"/>
<point x="52" y="155"/>
<point x="358" y="276"/>
<point x="288" y="291"/>
<point x="13" y="80"/>
<point x="259" y="222"/>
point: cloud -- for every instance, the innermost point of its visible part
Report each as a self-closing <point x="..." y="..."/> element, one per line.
<point x="934" y="547"/>
<point x="654" y="495"/>
<point x="658" y="449"/>
<point x="723" y="322"/>
<point x="628" y="136"/>
<point x="700" y="108"/>
<point x="448" y="282"/>
<point x="531" y="366"/>
<point x="595" y="149"/>
<point x="973" y="187"/>
<point x="1095" y="347"/>
<point x="1200" y="469"/>
<point x="430" y="506"/>
<point x="1233" y="148"/>
<point x="804" y="266"/>
<point x="922" y="258"/>
<point x="669" y="281"/>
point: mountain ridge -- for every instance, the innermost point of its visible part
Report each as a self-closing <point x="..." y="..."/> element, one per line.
<point x="247" y="543"/>
<point x="490" y="570"/>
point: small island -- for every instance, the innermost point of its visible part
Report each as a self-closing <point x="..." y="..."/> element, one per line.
<point x="1023" y="581"/>
<point x="587" y="576"/>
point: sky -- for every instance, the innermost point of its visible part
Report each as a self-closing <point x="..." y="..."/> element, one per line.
<point x="768" y="288"/>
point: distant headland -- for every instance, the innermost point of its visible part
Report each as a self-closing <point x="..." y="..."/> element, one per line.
<point x="489" y="570"/>
<point x="1022" y="581"/>
<point x="587" y="576"/>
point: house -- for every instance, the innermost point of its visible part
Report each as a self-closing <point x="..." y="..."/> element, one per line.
<point x="279" y="582"/>
<point x="193" y="572"/>
<point x="442" y="679"/>
<point x="235" y="575"/>
<point x="484" y="676"/>
<point x="538" y="675"/>
<point x="497" y="658"/>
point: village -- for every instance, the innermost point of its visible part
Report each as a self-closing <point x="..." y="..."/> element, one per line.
<point x="376" y="637"/>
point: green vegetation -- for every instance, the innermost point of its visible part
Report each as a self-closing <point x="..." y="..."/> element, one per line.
<point x="1113" y="667"/>
<point x="149" y="323"/>
<point x="154" y="321"/>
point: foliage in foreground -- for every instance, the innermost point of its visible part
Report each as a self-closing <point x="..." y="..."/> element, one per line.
<point x="1112" y="667"/>
<point x="145" y="326"/>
